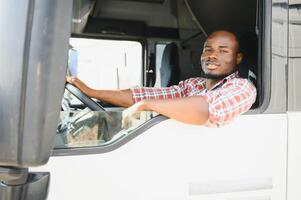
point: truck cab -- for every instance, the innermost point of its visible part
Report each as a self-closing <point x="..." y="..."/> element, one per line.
<point x="51" y="129"/>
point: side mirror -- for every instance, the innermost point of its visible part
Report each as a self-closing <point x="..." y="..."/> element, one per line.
<point x="33" y="69"/>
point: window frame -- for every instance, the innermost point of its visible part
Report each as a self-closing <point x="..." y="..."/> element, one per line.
<point x="263" y="81"/>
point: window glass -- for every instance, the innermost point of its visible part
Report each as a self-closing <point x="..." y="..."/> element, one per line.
<point x="159" y="53"/>
<point x="108" y="64"/>
<point x="101" y="64"/>
<point x="86" y="128"/>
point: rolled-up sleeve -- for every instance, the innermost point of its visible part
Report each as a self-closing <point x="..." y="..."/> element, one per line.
<point x="232" y="99"/>
<point x="144" y="93"/>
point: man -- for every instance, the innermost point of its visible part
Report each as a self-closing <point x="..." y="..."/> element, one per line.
<point x="211" y="101"/>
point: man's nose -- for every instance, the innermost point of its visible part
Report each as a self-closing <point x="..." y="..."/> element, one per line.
<point x="213" y="54"/>
<point x="209" y="55"/>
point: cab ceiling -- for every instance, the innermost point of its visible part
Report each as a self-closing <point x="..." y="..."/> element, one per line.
<point x="156" y="13"/>
<point x="236" y="15"/>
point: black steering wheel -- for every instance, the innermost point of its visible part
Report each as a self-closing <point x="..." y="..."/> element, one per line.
<point x="84" y="98"/>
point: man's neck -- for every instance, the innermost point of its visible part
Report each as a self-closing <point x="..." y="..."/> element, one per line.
<point x="211" y="82"/>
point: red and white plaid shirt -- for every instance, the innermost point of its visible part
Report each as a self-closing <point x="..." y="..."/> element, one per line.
<point x="227" y="99"/>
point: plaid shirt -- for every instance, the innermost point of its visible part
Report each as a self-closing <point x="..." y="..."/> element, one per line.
<point x="227" y="99"/>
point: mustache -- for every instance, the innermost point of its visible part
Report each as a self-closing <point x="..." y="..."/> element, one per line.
<point x="211" y="62"/>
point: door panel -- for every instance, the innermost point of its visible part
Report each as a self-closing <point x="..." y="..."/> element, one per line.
<point x="294" y="155"/>
<point x="294" y="103"/>
<point x="246" y="159"/>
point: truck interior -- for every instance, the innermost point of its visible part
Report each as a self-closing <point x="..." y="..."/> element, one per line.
<point x="121" y="43"/>
<point x="164" y="39"/>
<point x="181" y="25"/>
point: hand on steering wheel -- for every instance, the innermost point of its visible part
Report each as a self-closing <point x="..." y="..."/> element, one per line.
<point x="74" y="86"/>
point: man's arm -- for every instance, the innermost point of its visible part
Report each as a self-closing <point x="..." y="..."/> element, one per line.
<point x="119" y="97"/>
<point x="191" y="110"/>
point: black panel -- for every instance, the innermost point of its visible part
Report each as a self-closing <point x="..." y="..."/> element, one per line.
<point x="148" y="1"/>
<point x="162" y="32"/>
<point x="113" y="27"/>
<point x="236" y="15"/>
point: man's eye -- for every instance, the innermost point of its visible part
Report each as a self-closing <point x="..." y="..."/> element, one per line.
<point x="207" y="50"/>
<point x="223" y="51"/>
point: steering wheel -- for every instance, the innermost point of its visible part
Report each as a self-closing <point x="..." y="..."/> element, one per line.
<point x="84" y="98"/>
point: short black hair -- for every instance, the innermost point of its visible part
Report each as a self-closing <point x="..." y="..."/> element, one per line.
<point x="236" y="35"/>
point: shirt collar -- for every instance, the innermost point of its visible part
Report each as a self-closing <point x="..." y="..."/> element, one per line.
<point x="229" y="77"/>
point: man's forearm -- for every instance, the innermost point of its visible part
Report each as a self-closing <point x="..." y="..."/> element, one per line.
<point x="192" y="110"/>
<point x="117" y="97"/>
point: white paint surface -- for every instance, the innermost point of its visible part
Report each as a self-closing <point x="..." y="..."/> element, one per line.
<point x="294" y="156"/>
<point x="162" y="162"/>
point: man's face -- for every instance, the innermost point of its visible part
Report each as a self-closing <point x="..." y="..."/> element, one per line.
<point x="220" y="55"/>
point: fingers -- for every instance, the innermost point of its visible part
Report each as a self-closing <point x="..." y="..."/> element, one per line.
<point x="76" y="82"/>
<point x="129" y="121"/>
<point x="79" y="84"/>
<point x="71" y="79"/>
<point x="130" y="116"/>
<point x="126" y="122"/>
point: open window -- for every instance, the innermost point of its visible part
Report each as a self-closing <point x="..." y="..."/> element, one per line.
<point x="101" y="64"/>
<point x="105" y="64"/>
<point x="122" y="43"/>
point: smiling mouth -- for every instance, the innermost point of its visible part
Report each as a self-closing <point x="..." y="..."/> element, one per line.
<point x="211" y="66"/>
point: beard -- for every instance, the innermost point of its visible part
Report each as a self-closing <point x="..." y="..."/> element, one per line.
<point x="216" y="76"/>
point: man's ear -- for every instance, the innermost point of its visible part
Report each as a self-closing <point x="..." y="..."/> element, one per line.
<point x="239" y="58"/>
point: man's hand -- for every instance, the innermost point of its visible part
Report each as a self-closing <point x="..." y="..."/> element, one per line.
<point x="132" y="114"/>
<point x="79" y="84"/>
